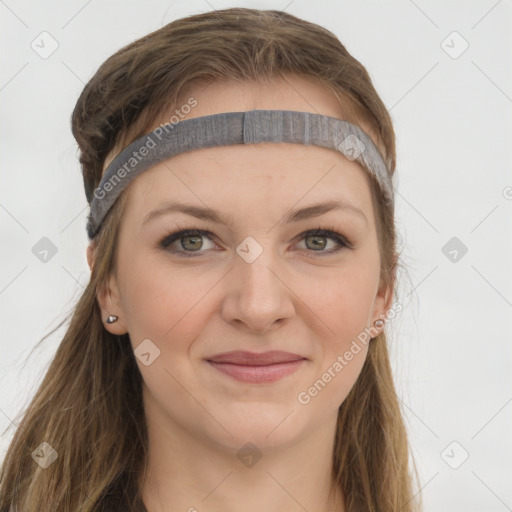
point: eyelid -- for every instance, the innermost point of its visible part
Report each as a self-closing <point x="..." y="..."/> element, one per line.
<point x="327" y="232"/>
<point x="342" y="241"/>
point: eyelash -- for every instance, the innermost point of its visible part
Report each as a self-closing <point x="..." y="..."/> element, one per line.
<point x="343" y="241"/>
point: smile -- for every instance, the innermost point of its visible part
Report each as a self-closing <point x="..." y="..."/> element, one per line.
<point x="257" y="371"/>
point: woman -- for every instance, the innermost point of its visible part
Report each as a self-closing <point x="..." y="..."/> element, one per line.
<point x="229" y="351"/>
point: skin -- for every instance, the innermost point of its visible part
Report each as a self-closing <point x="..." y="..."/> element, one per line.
<point x="293" y="297"/>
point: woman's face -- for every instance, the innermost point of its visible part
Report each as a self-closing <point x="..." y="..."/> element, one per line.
<point x="254" y="282"/>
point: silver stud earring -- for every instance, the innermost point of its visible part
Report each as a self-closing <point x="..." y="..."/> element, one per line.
<point x="111" y="319"/>
<point x="378" y="323"/>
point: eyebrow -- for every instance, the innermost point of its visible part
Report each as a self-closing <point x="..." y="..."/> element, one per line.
<point x="211" y="215"/>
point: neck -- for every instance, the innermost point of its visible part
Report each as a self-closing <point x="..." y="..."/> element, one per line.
<point x="188" y="474"/>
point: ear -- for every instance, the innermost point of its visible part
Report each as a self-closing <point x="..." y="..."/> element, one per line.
<point x="108" y="298"/>
<point x="384" y="298"/>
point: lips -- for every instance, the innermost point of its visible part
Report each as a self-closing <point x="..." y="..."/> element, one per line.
<point x="251" y="367"/>
<point x="244" y="358"/>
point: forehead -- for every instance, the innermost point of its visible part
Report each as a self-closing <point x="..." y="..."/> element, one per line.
<point x="260" y="182"/>
<point x="265" y="173"/>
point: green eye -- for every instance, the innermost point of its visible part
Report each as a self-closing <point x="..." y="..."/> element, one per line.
<point x="192" y="243"/>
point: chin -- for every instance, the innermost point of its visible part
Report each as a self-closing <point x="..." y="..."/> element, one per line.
<point x="266" y="428"/>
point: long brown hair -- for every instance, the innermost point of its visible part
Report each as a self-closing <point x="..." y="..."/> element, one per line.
<point x="89" y="407"/>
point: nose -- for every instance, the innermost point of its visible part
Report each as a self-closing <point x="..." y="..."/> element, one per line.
<point x="258" y="296"/>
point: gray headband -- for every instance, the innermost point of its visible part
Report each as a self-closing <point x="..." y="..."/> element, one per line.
<point x="231" y="128"/>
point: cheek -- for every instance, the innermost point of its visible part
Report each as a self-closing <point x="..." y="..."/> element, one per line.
<point x="344" y="307"/>
<point x="162" y="302"/>
<point x="343" y="301"/>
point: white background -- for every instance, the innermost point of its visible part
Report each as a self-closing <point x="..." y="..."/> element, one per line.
<point x="451" y="345"/>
